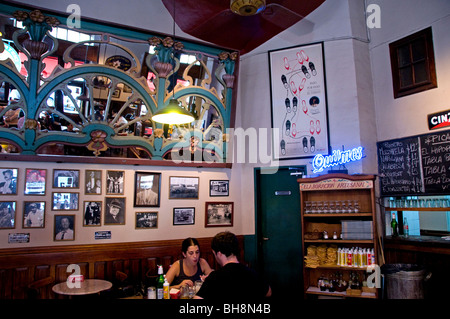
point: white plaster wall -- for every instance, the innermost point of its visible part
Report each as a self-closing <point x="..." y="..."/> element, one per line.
<point x="127" y="232"/>
<point x="407" y="115"/>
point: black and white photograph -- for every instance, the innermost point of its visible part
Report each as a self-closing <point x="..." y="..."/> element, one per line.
<point x="184" y="216"/>
<point x="218" y="214"/>
<point x="146" y="220"/>
<point x="7" y="215"/>
<point x="64" y="227"/>
<point x="8" y="181"/>
<point x="66" y="178"/>
<point x="34" y="214"/>
<point x="65" y="201"/>
<point x="147" y="189"/>
<point x="219" y="188"/>
<point x="93" y="182"/>
<point x="114" y="211"/>
<point x="92" y="213"/>
<point x="35" y="180"/>
<point x="183" y="187"/>
<point x="115" y="182"/>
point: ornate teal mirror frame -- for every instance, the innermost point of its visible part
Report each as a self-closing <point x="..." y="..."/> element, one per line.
<point x="103" y="105"/>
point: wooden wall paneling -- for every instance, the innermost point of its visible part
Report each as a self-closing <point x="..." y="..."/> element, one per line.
<point x="21" y="280"/>
<point x="21" y="266"/>
<point x="41" y="272"/>
<point x="99" y="268"/>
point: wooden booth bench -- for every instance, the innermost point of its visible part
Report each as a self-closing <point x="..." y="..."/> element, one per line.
<point x="31" y="272"/>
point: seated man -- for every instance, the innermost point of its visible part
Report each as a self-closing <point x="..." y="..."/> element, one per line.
<point x="233" y="281"/>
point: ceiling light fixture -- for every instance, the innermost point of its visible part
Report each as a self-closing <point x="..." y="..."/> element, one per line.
<point x="247" y="7"/>
<point x="173" y="113"/>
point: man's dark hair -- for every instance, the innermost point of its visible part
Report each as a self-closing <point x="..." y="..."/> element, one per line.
<point x="227" y="243"/>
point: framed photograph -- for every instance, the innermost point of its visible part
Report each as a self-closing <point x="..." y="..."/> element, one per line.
<point x="64" y="201"/>
<point x="114" y="211"/>
<point x="64" y="227"/>
<point x="33" y="214"/>
<point x="66" y="178"/>
<point x="8" y="181"/>
<point x="219" y="188"/>
<point x="146" y="220"/>
<point x="299" y="102"/>
<point x="218" y="214"/>
<point x="115" y="182"/>
<point x="92" y="182"/>
<point x="147" y="189"/>
<point x="35" y="181"/>
<point x="92" y="213"/>
<point x="183" y="187"/>
<point x="7" y="215"/>
<point x="184" y="216"/>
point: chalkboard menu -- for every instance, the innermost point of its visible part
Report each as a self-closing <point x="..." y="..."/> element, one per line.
<point x="416" y="165"/>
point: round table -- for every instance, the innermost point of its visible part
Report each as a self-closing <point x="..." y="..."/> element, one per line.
<point x="86" y="287"/>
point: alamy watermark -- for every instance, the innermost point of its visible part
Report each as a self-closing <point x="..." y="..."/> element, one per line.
<point x="373" y="19"/>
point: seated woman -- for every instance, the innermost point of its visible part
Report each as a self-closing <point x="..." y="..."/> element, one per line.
<point x="189" y="269"/>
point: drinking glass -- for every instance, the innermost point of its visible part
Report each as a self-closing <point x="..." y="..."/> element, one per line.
<point x="198" y="285"/>
<point x="192" y="292"/>
<point x="313" y="207"/>
<point x="356" y="208"/>
<point x="344" y="207"/>
<point x="320" y="207"/>
<point x="326" y="209"/>
<point x="332" y="207"/>
<point x="337" y="207"/>
<point x="350" y="208"/>
<point x="307" y="207"/>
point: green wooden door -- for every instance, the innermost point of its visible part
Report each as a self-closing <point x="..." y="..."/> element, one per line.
<point x="278" y="234"/>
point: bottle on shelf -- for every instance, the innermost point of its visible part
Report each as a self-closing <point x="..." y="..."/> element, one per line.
<point x="405" y="228"/>
<point x="394" y="226"/>
<point x="160" y="283"/>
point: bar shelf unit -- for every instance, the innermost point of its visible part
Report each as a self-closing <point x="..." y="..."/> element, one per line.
<point x="336" y="187"/>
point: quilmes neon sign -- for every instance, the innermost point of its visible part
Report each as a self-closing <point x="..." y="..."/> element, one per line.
<point x="338" y="157"/>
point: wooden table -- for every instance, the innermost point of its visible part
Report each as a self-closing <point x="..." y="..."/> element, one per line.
<point x="86" y="287"/>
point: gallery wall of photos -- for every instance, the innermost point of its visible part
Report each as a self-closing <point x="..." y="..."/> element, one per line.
<point x="55" y="203"/>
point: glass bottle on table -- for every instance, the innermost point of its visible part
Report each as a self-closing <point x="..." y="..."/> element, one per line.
<point x="394" y="226"/>
<point x="405" y="228"/>
<point x="160" y="283"/>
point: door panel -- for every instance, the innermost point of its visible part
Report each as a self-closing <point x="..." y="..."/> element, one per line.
<point x="279" y="230"/>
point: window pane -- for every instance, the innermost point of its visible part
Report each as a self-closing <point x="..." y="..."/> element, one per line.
<point x="405" y="77"/>
<point x="420" y="72"/>
<point x="418" y="48"/>
<point x="403" y="56"/>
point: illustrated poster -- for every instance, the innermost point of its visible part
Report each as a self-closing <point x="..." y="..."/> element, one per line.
<point x="299" y="104"/>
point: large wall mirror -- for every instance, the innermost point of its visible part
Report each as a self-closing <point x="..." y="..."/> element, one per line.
<point x="91" y="92"/>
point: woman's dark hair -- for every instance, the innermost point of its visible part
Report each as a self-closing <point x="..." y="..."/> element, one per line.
<point x="188" y="242"/>
<point x="227" y="243"/>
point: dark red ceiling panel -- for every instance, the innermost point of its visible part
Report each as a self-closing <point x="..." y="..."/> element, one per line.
<point x="213" y="21"/>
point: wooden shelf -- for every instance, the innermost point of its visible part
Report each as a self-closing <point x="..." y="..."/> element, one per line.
<point x="317" y="291"/>
<point x="339" y="241"/>
<point x="336" y="267"/>
<point x="346" y="215"/>
<point x="420" y="209"/>
<point x="334" y="187"/>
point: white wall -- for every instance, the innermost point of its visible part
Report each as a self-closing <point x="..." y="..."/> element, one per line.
<point x="407" y="116"/>
<point x="127" y="232"/>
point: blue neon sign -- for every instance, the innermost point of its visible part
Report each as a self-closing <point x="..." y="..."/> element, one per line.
<point x="338" y="157"/>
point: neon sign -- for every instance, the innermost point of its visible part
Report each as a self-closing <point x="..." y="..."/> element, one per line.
<point x="338" y="157"/>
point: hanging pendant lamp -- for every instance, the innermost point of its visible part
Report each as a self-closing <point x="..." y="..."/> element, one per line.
<point x="173" y="113"/>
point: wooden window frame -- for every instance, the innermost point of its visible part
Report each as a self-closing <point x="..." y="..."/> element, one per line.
<point x="431" y="81"/>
